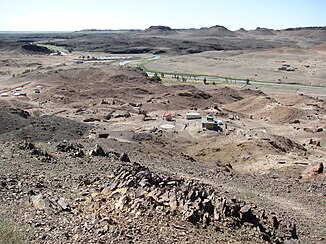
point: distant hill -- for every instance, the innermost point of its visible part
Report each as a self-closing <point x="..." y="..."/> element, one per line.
<point x="159" y="29"/>
<point x="164" y="39"/>
<point x="219" y="30"/>
<point x="241" y="30"/>
<point x="262" y="31"/>
<point x="108" y="30"/>
<point x="306" y="28"/>
<point x="316" y="34"/>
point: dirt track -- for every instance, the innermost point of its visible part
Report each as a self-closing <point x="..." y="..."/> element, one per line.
<point x="65" y="151"/>
<point x="259" y="158"/>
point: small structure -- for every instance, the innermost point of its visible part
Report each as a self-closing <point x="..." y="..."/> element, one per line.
<point x="210" y="123"/>
<point x="20" y="93"/>
<point x="286" y="67"/>
<point x="167" y="126"/>
<point x="169" y="116"/>
<point x="192" y="115"/>
<point x="38" y="89"/>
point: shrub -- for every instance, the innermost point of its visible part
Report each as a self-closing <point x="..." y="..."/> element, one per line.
<point x="205" y="81"/>
<point x="155" y="78"/>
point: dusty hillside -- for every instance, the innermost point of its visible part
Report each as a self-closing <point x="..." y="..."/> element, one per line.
<point x="87" y="155"/>
<point x="91" y="153"/>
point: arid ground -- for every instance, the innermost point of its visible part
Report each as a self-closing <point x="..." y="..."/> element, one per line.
<point x="87" y="156"/>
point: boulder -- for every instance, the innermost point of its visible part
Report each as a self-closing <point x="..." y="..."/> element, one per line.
<point x="247" y="215"/>
<point x="135" y="104"/>
<point x="314" y="168"/>
<point x="74" y="148"/>
<point x="97" y="151"/>
<point x="308" y="130"/>
<point x="107" y="102"/>
<point x="39" y="202"/>
<point x="107" y="117"/>
<point x="314" y="142"/>
<point x="319" y="129"/>
<point x="79" y="153"/>
<point x="192" y="216"/>
<point x="63" y="204"/>
<point x="296" y="121"/>
<point x="317" y="167"/>
<point x="289" y="230"/>
<point x="124" y="157"/>
<point x="121" y="114"/>
<point x="144" y="182"/>
<point x="26" y="202"/>
<point x="121" y="202"/>
<point x="27" y="146"/>
<point x="103" y="135"/>
<point x="87" y="120"/>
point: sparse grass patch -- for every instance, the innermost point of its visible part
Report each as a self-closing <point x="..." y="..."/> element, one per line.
<point x="37" y="113"/>
<point x="179" y="82"/>
<point x="12" y="232"/>
<point x="26" y="71"/>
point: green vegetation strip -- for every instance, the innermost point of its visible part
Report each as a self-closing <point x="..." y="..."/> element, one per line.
<point x="143" y="64"/>
<point x="53" y="48"/>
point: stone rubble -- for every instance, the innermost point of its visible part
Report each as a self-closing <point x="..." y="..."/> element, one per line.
<point x="101" y="204"/>
<point x="137" y="190"/>
<point x="314" y="168"/>
<point x="39" y="153"/>
<point x="76" y="149"/>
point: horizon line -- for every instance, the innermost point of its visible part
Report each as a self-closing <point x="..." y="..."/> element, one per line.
<point x="140" y="29"/>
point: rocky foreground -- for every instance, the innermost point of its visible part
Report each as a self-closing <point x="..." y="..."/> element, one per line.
<point x="123" y="202"/>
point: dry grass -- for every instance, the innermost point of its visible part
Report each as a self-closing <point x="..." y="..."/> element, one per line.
<point x="11" y="232"/>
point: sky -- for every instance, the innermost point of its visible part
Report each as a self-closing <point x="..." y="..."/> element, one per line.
<point x="72" y="15"/>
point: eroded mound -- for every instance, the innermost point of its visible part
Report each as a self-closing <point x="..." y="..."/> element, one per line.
<point x="18" y="124"/>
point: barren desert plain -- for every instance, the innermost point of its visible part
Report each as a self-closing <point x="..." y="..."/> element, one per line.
<point x="95" y="148"/>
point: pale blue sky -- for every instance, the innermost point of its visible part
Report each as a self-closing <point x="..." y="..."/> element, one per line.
<point x="71" y="15"/>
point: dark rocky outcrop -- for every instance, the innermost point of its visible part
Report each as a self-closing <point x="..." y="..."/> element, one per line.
<point x="159" y="28"/>
<point x="75" y="149"/>
<point x="137" y="190"/>
<point x="36" y="48"/>
<point x="37" y="152"/>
